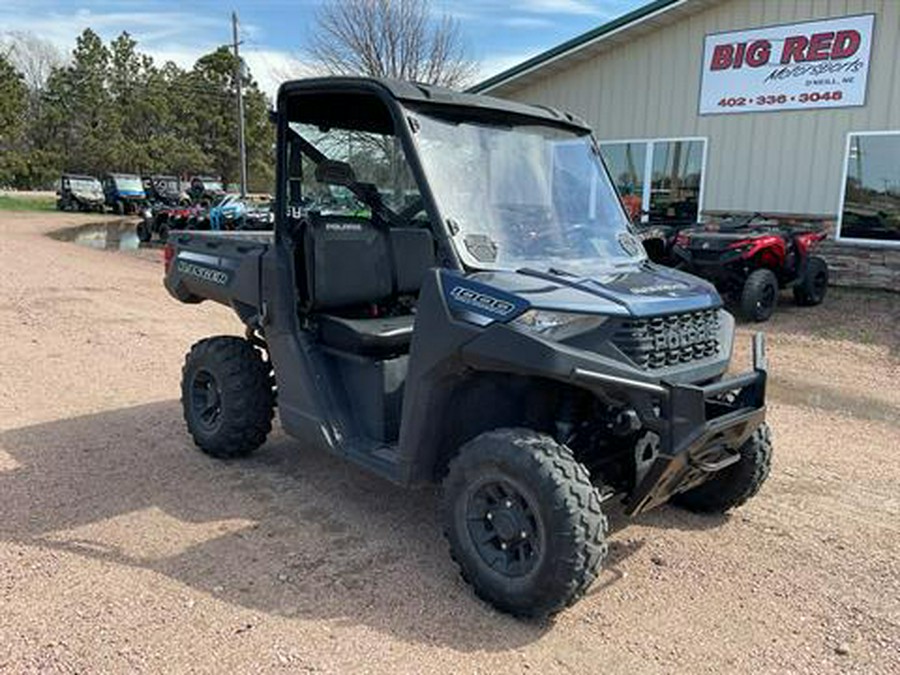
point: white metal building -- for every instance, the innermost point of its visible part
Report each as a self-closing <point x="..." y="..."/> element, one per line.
<point x="786" y="107"/>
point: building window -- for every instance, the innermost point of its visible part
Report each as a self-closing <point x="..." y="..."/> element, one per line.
<point x="870" y="205"/>
<point x="660" y="180"/>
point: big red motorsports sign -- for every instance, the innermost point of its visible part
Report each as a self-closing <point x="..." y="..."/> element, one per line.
<point x="817" y="64"/>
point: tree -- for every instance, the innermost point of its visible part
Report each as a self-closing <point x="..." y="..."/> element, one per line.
<point x="390" y="38"/>
<point x="13" y="102"/>
<point x="32" y="56"/>
<point x="13" y="108"/>
<point x="212" y="119"/>
<point x="111" y="108"/>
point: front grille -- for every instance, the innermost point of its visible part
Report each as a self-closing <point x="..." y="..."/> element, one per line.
<point x="666" y="341"/>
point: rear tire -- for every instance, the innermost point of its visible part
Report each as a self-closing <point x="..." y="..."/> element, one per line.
<point x="227" y="396"/>
<point x="734" y="485"/>
<point x="759" y="295"/>
<point x="811" y="290"/>
<point x="523" y="521"/>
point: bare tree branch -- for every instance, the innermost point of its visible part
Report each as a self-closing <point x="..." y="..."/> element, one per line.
<point x="32" y="56"/>
<point x="390" y="38"/>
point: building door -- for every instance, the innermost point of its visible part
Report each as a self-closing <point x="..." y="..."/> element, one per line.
<point x="660" y="180"/>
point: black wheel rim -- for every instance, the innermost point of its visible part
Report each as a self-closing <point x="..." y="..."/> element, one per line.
<point x="766" y="299"/>
<point x="206" y="400"/>
<point x="504" y="528"/>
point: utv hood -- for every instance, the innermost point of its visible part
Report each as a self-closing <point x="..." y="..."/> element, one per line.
<point x="644" y="289"/>
<point x="89" y="196"/>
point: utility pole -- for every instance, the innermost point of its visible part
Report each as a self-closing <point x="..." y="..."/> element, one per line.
<point x="239" y="81"/>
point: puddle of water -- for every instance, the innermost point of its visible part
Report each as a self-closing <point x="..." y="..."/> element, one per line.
<point x="833" y="400"/>
<point x="119" y="235"/>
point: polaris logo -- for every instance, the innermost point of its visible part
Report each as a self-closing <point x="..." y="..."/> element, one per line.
<point x="203" y="273"/>
<point x="488" y="303"/>
<point x="683" y="336"/>
<point x="343" y="227"/>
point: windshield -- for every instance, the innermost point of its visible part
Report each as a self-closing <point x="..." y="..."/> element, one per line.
<point x="84" y="184"/>
<point x="129" y="183"/>
<point x="223" y="201"/>
<point x="524" y="196"/>
<point x="166" y="184"/>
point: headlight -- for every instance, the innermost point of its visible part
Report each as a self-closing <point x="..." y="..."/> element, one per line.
<point x="556" y="325"/>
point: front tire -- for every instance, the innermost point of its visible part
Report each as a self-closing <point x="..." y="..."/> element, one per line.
<point x="523" y="521"/>
<point x="227" y="397"/>
<point x="811" y="290"/>
<point x="759" y="295"/>
<point x="734" y="485"/>
<point x="143" y="232"/>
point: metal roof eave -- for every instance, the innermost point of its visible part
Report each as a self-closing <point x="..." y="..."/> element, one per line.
<point x="577" y="43"/>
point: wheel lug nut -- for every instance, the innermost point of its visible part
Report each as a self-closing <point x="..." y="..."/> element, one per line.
<point x="508" y="504"/>
<point x="523" y="534"/>
<point x="489" y="516"/>
<point x="503" y="545"/>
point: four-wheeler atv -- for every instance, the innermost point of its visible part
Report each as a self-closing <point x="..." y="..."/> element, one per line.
<point x="124" y="193"/>
<point x="750" y="259"/>
<point x="81" y="193"/>
<point x="497" y="330"/>
<point x="160" y="219"/>
<point x="659" y="239"/>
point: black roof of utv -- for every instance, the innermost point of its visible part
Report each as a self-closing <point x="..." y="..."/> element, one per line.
<point x="427" y="95"/>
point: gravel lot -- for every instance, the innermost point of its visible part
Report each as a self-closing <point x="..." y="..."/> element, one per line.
<point x="124" y="550"/>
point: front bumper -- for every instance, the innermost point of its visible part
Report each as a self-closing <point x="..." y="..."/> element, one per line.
<point x="701" y="430"/>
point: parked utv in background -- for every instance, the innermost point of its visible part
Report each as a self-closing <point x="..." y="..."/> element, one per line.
<point x="751" y="258"/>
<point x="479" y="316"/>
<point x="206" y="190"/>
<point x="124" y="193"/>
<point x="233" y="212"/>
<point x="165" y="190"/>
<point x="79" y="193"/>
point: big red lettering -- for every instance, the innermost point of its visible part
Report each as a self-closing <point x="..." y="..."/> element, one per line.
<point x="722" y="57"/>
<point x="846" y="44"/>
<point x="794" y="48"/>
<point x="820" y="46"/>
<point x="758" y="53"/>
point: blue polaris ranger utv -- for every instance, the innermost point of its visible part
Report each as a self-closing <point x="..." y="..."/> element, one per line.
<point x="477" y="313"/>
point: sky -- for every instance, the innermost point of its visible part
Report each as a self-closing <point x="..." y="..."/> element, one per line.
<point x="497" y="34"/>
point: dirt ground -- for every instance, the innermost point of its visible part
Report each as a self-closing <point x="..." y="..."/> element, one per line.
<point x="122" y="549"/>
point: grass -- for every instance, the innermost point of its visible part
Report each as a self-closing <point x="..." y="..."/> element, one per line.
<point x="14" y="203"/>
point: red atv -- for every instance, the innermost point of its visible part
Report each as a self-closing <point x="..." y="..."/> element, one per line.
<point x="750" y="259"/>
<point x="160" y="218"/>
